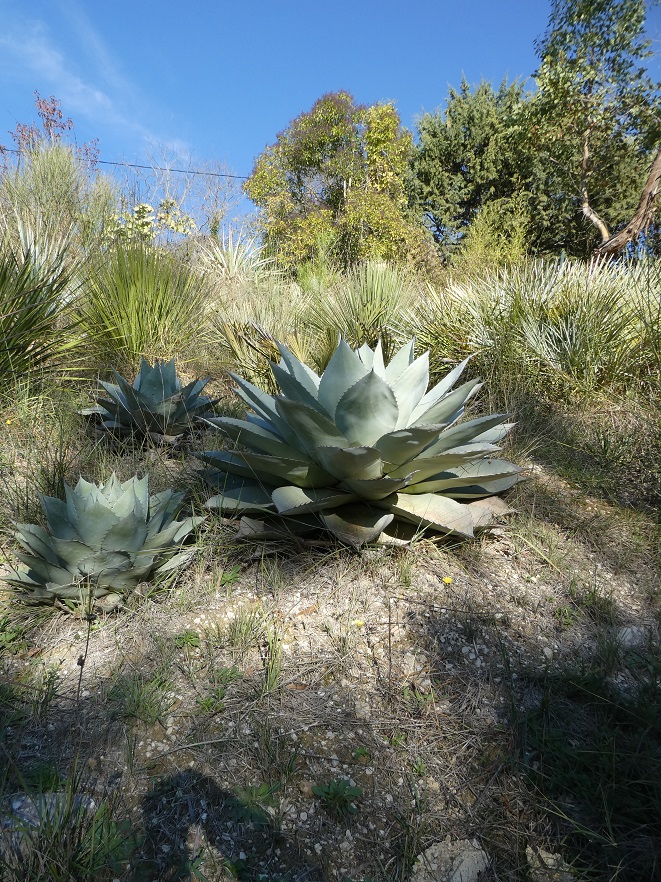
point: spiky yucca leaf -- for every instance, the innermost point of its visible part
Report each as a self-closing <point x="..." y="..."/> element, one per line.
<point x="102" y="538"/>
<point x="155" y="403"/>
<point x="361" y="445"/>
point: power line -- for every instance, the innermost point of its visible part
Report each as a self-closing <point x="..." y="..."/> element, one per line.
<point x="180" y="171"/>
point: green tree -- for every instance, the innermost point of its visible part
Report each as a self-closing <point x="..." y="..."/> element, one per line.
<point x="468" y="156"/>
<point x="337" y="174"/>
<point x="596" y="115"/>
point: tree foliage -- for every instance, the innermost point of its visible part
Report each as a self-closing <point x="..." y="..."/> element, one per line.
<point x="468" y="156"/>
<point x="556" y="168"/>
<point x="596" y="115"/>
<point x="337" y="174"/>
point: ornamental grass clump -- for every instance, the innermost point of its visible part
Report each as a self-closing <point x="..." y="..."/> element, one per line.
<point x="360" y="446"/>
<point x="155" y="404"/>
<point x="102" y="540"/>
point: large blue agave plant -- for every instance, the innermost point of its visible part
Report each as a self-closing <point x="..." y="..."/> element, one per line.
<point x="361" y="445"/>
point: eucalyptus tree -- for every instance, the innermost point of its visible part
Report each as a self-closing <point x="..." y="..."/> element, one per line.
<point x="335" y="181"/>
<point x="596" y="117"/>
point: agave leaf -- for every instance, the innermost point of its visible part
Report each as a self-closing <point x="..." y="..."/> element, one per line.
<point x="187" y="526"/>
<point x="191" y="393"/>
<point x="305" y="375"/>
<point x="277" y="528"/>
<point x="350" y="462"/>
<point x="163" y="507"/>
<point x="36" y="541"/>
<point x="294" y="389"/>
<point x="312" y="429"/>
<point x="495" y="435"/>
<point x="481" y="489"/>
<point x="425" y="466"/>
<point x="344" y="369"/>
<point x="464" y="433"/>
<point x="176" y="560"/>
<point x="141" y="490"/>
<point x="400" y="361"/>
<point x="378" y="366"/>
<point x="367" y="411"/>
<point x="239" y="495"/>
<point x="129" y="403"/>
<point x="356" y="524"/>
<point x="127" y="504"/>
<point x="439" y="390"/>
<point x="294" y="500"/>
<point x="447" y="408"/>
<point x="481" y="473"/>
<point x="409" y="387"/>
<point x="269" y="469"/>
<point x="41" y="571"/>
<point x="110" y="490"/>
<point x="20" y="577"/>
<point x="378" y="488"/>
<point x="366" y="355"/>
<point x="162" y="539"/>
<point x="254" y="436"/>
<point x="57" y="517"/>
<point x="404" y="445"/>
<point x="264" y="405"/>
<point x="484" y="511"/>
<point x="157" y="382"/>
<point x="129" y="534"/>
<point x="430" y="510"/>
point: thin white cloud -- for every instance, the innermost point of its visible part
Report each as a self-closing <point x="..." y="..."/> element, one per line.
<point x="95" y="48"/>
<point x="31" y="53"/>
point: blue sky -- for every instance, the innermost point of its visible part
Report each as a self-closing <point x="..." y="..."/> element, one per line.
<point x="216" y="81"/>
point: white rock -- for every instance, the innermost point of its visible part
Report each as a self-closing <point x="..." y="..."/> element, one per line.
<point x="631" y="636"/>
<point x="547" y="867"/>
<point x="460" y="861"/>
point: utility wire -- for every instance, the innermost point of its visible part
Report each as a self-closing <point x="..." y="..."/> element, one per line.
<point x="180" y="171"/>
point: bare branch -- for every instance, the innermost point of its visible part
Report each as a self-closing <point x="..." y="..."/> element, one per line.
<point x="643" y="215"/>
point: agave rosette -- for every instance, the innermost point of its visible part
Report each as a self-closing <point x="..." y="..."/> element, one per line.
<point x="156" y="403"/>
<point x="361" y="445"/>
<point x="105" y="538"/>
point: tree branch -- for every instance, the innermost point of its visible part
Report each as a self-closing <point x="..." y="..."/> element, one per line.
<point x="643" y="215"/>
<point x="588" y="211"/>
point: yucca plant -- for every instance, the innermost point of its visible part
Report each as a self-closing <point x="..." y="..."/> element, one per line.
<point x="101" y="540"/>
<point x="365" y="306"/>
<point x="155" y="404"/>
<point x="234" y="257"/>
<point x="34" y="294"/>
<point x="361" y="445"/>
<point x="140" y="300"/>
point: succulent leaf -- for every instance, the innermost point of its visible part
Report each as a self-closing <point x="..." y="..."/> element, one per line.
<point x="240" y="495"/>
<point x="409" y="387"/>
<point x="350" y="462"/>
<point x="356" y="524"/>
<point x="312" y="429"/>
<point x="343" y="370"/>
<point x="403" y="445"/>
<point x="305" y="375"/>
<point x="431" y="510"/>
<point x="367" y="410"/>
<point x="296" y="500"/>
<point x="400" y="361"/>
<point x="254" y="436"/>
